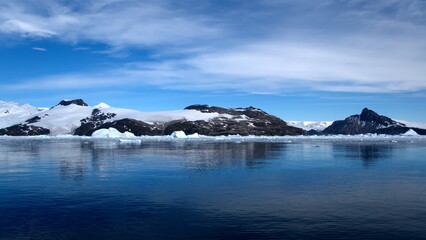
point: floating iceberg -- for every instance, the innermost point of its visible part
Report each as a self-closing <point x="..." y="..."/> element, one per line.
<point x="181" y="134"/>
<point x="178" y="134"/>
<point x="410" y="132"/>
<point x="111" y="133"/>
<point x="195" y="135"/>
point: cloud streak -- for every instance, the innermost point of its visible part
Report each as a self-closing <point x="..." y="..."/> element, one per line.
<point x="270" y="46"/>
<point x="39" y="49"/>
<point x="117" y="23"/>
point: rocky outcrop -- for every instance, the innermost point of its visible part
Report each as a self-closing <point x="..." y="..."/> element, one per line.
<point x="368" y="122"/>
<point x="24" y="130"/>
<point x="243" y="121"/>
<point x="93" y="123"/>
<point x="78" y="102"/>
<point x="233" y="121"/>
<point x="33" y="119"/>
<point x="138" y="128"/>
<point x="314" y="132"/>
<point x="99" y="120"/>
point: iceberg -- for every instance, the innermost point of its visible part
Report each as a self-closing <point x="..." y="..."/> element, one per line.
<point x="410" y="132"/>
<point x="195" y="135"/>
<point x="111" y="133"/>
<point x="178" y="134"/>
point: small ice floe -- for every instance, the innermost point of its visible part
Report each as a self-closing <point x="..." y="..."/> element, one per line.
<point x="111" y="133"/>
<point x="410" y="132"/>
<point x="129" y="141"/>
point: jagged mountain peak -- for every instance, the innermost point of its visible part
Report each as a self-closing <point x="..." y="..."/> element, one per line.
<point x="368" y="115"/>
<point x="367" y="122"/>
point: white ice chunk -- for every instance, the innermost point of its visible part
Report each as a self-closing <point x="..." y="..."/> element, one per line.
<point x="195" y="135"/>
<point x="111" y="133"/>
<point x="178" y="134"/>
<point x="410" y="132"/>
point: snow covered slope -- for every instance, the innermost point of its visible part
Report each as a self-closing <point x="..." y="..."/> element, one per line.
<point x="76" y="117"/>
<point x="310" y="125"/>
<point x="12" y="113"/>
<point x="413" y="124"/>
<point x="64" y="119"/>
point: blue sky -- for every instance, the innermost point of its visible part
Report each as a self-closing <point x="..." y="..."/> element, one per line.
<point x="297" y="59"/>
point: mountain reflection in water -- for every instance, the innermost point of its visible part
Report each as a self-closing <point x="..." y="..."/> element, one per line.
<point x="306" y="189"/>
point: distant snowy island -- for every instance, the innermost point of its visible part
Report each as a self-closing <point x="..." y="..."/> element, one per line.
<point x="75" y="117"/>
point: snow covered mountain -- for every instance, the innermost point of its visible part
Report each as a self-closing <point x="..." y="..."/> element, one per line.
<point x="12" y="113"/>
<point x="310" y="125"/>
<point x="76" y="117"/>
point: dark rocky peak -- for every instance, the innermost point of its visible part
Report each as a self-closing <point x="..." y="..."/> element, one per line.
<point x="207" y="108"/>
<point x="367" y="122"/>
<point x="368" y="115"/>
<point x="78" y="102"/>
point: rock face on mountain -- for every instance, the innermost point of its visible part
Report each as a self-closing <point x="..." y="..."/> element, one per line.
<point x="24" y="130"/>
<point x="368" y="122"/>
<point x="242" y="121"/>
<point x="92" y="123"/>
<point x="78" y="102"/>
<point x="136" y="127"/>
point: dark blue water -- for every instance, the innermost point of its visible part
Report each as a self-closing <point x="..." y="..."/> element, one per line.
<point x="305" y="189"/>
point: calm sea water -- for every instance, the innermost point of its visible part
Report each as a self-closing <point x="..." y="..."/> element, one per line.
<point x="182" y="189"/>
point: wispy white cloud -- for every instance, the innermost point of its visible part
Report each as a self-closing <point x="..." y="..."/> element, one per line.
<point x="269" y="46"/>
<point x="39" y="49"/>
<point x="116" y="23"/>
<point x="25" y="29"/>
